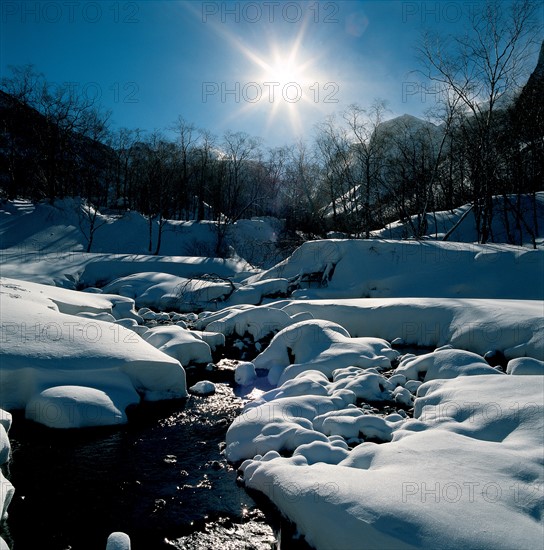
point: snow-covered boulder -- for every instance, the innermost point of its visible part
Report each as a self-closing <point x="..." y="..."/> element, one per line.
<point x="525" y="366"/>
<point x="444" y="363"/>
<point x="320" y="345"/>
<point x="259" y="322"/>
<point x="45" y="348"/>
<point x="180" y="343"/>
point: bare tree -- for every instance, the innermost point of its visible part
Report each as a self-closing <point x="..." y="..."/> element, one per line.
<point x="480" y="68"/>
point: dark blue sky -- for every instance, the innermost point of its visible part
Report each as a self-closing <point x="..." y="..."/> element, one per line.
<point x="215" y="63"/>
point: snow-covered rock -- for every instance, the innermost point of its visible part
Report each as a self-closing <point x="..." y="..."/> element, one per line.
<point x="444" y="363"/>
<point x="524" y="366"/>
<point x="179" y="343"/>
<point x="44" y="348"/>
<point x="118" y="541"/>
<point x="320" y="345"/>
<point x="203" y="387"/>
<point x="245" y="374"/>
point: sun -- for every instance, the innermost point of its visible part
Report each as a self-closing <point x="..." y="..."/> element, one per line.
<point x="285" y="68"/>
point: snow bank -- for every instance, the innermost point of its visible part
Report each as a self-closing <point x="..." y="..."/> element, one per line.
<point x="70" y="370"/>
<point x="460" y="224"/>
<point x="164" y="291"/>
<point x="516" y="327"/>
<point x="380" y="269"/>
<point x="466" y="472"/>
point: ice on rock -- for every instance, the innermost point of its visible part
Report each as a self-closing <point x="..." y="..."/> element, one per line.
<point x="245" y="374"/>
<point x="445" y="363"/>
<point x="525" y="366"/>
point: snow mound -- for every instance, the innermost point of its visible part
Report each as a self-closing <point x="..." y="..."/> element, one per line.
<point x="44" y="346"/>
<point x="179" y="343"/>
<point x="323" y="346"/>
<point x="118" y="541"/>
<point x="524" y="366"/>
<point x="466" y="472"/>
<point x="446" y="363"/>
<point x="165" y="291"/>
<point x="245" y="374"/>
<point x="79" y="407"/>
<point x="259" y="322"/>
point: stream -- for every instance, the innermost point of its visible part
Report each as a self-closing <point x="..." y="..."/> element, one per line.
<point x="161" y="478"/>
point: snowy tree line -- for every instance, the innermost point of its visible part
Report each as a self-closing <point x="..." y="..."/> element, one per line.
<point x="357" y="172"/>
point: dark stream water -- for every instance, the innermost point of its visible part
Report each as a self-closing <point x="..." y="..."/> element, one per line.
<point x="161" y="479"/>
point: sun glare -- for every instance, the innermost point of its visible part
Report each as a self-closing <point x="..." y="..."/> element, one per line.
<point x="282" y="80"/>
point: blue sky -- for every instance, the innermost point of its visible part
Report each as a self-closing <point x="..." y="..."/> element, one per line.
<point x="273" y="69"/>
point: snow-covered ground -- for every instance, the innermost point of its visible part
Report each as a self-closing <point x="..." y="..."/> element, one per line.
<point x="354" y="441"/>
<point x="510" y="216"/>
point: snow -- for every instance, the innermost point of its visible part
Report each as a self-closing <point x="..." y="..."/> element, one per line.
<point x="76" y="406"/>
<point x="516" y="327"/>
<point x="381" y="269"/>
<point x="245" y="374"/>
<point x="445" y="363"/>
<point x="320" y="345"/>
<point x="6" y="488"/>
<point x="466" y="472"/>
<point x="179" y="343"/>
<point x="460" y="226"/>
<point x="45" y="346"/>
<point x="259" y="322"/>
<point x="525" y="366"/>
<point x="204" y="387"/>
<point x="118" y="541"/>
